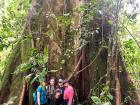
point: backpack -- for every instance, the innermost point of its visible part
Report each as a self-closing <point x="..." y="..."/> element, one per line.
<point x="35" y="96"/>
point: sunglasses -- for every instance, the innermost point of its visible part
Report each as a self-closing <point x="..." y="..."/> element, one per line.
<point x="59" y="82"/>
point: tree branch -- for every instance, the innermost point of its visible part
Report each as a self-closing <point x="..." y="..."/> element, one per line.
<point x="22" y="93"/>
<point x="90" y="63"/>
<point x="132" y="36"/>
<point x="75" y="68"/>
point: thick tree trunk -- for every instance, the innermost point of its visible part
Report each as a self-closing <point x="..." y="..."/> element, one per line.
<point x="91" y="64"/>
<point x="13" y="61"/>
<point x="128" y="89"/>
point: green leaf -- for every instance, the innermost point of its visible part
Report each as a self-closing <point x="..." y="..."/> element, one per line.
<point x="93" y="1"/>
<point x="50" y="33"/>
<point x="96" y="100"/>
<point x="110" y="2"/>
<point x="106" y="103"/>
<point x="110" y="22"/>
<point x="102" y="93"/>
<point x="62" y="62"/>
<point x="45" y="55"/>
<point x="110" y="96"/>
<point x="23" y="68"/>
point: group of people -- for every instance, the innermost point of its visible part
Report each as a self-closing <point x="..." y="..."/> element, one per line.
<point x="52" y="94"/>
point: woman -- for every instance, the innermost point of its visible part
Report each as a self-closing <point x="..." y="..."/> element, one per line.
<point x="42" y="94"/>
<point x="68" y="93"/>
<point x="57" y="97"/>
<point x="51" y="91"/>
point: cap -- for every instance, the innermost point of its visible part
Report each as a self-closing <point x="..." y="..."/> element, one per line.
<point x="60" y="81"/>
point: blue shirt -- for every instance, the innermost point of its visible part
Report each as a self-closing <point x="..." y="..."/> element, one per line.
<point x="43" y="97"/>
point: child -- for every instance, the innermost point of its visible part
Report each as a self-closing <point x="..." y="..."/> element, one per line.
<point x="57" y="97"/>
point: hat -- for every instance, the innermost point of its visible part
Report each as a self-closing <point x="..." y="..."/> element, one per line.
<point x="60" y="81"/>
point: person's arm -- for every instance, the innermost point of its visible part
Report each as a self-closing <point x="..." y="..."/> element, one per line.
<point x="70" y="96"/>
<point x="38" y="95"/>
<point x="47" y="89"/>
<point x="38" y="98"/>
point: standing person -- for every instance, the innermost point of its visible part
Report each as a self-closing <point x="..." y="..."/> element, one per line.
<point x="60" y="93"/>
<point x="41" y="94"/>
<point x="51" y="91"/>
<point x="57" y="97"/>
<point x="68" y="93"/>
<point x="61" y="86"/>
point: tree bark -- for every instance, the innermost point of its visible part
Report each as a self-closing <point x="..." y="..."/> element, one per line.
<point x="92" y="61"/>
<point x="22" y="94"/>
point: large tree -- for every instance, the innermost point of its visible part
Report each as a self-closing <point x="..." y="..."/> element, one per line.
<point x="78" y="43"/>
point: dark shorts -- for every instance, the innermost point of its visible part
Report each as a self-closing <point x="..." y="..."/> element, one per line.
<point x="66" y="102"/>
<point x="43" y="104"/>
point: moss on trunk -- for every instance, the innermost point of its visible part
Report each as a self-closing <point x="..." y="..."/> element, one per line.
<point x="14" y="61"/>
<point x="47" y="32"/>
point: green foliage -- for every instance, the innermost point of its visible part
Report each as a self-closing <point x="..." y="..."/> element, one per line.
<point x="65" y="19"/>
<point x="96" y="100"/>
<point x="12" y="17"/>
<point x="36" y="65"/>
<point x="129" y="38"/>
<point x="89" y="10"/>
<point x="104" y="98"/>
<point x="129" y="24"/>
<point x="110" y="2"/>
<point x="46" y="55"/>
<point x="23" y="68"/>
<point x="39" y="76"/>
<point x="131" y="54"/>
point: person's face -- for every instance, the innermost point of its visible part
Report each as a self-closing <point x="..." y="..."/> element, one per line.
<point x="44" y="84"/>
<point x="66" y="84"/>
<point x="60" y="83"/>
<point x="52" y="82"/>
<point x="57" y="95"/>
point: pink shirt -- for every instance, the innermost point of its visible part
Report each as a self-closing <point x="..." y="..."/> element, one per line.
<point x="68" y="94"/>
